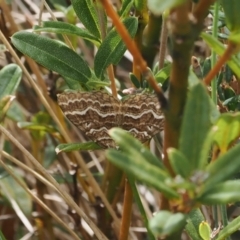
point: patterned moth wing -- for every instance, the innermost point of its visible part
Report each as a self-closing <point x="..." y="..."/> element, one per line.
<point x="94" y="113"/>
<point x="142" y="116"/>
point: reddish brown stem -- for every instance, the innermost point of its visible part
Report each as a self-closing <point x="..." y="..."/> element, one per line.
<point x="124" y="34"/>
<point x="127" y="212"/>
<point x="138" y="60"/>
<point x="112" y="80"/>
<point x="222" y="60"/>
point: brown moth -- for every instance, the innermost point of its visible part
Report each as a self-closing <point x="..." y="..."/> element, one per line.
<point x="95" y="113"/>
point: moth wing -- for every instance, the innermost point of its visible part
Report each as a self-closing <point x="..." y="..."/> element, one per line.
<point x="142" y="116"/>
<point x="92" y="112"/>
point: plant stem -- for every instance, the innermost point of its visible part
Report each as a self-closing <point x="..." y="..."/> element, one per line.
<point x="214" y="56"/>
<point x="231" y="48"/>
<point x="132" y="47"/>
<point x="140" y="205"/>
<point x="163" y="43"/>
<point x="112" y="80"/>
<point x="127" y="212"/>
<point x="180" y="27"/>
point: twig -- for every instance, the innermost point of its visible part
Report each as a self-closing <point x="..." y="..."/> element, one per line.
<point x="127" y="211"/>
<point x="139" y="61"/>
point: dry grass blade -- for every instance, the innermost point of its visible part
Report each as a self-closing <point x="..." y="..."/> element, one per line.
<point x="43" y="171"/>
<point x="44" y="206"/>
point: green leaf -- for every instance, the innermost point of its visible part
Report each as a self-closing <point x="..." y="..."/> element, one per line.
<point x="231" y="10"/>
<point x="70" y="14"/>
<point x="5" y="104"/>
<point x="113" y="47"/>
<point x="125" y="8"/>
<point x="206" y="66"/>
<point x="11" y="190"/>
<point x="195" y="217"/>
<point x="66" y="28"/>
<point x="133" y="147"/>
<point x="2" y="236"/>
<point x="139" y="167"/>
<point x="179" y="162"/>
<point x="10" y="76"/>
<point x="55" y="56"/>
<point x="39" y="126"/>
<point x="166" y="223"/>
<point x="69" y="147"/>
<point x="206" y="149"/>
<point x="222" y="193"/>
<point x="223" y="167"/>
<point x="205" y="231"/>
<point x="228" y="130"/>
<point x="134" y="80"/>
<point x="235" y="37"/>
<point x="157" y="7"/>
<point x="87" y="14"/>
<point x="15" y="112"/>
<point x="138" y="201"/>
<point x="219" y="48"/>
<point x="96" y="84"/>
<point x="163" y="74"/>
<point x="195" y="126"/>
<point x="192" y="79"/>
<point x="143" y="171"/>
<point x="36" y="127"/>
<point x="232" y="227"/>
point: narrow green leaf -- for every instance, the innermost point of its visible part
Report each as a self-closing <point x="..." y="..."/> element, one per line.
<point x="206" y="149"/>
<point x="205" y="231"/>
<point x="134" y="80"/>
<point x="66" y="28"/>
<point x="11" y="190"/>
<point x="192" y="79"/>
<point x="70" y="14"/>
<point x="69" y="147"/>
<point x="163" y="74"/>
<point x="166" y="223"/>
<point x="224" y="167"/>
<point x="206" y="66"/>
<point x="15" y="112"/>
<point x="87" y="14"/>
<point x="2" y="236"/>
<point x="219" y="48"/>
<point x="5" y="103"/>
<point x="222" y="193"/>
<point x="143" y="171"/>
<point x="55" y="56"/>
<point x="125" y="8"/>
<point x="10" y="76"/>
<point x="235" y="37"/>
<point x="159" y="6"/>
<point x="113" y="47"/>
<point x="133" y="147"/>
<point x="231" y="10"/>
<point x="232" y="227"/>
<point x="195" y="217"/>
<point x="96" y="84"/>
<point x="195" y="126"/>
<point x="36" y="127"/>
<point x="179" y="162"/>
<point x="138" y="201"/>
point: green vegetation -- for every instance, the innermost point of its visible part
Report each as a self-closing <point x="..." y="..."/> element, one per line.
<point x="57" y="184"/>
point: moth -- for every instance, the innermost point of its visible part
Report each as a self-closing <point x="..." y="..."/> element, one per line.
<point x="95" y="113"/>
